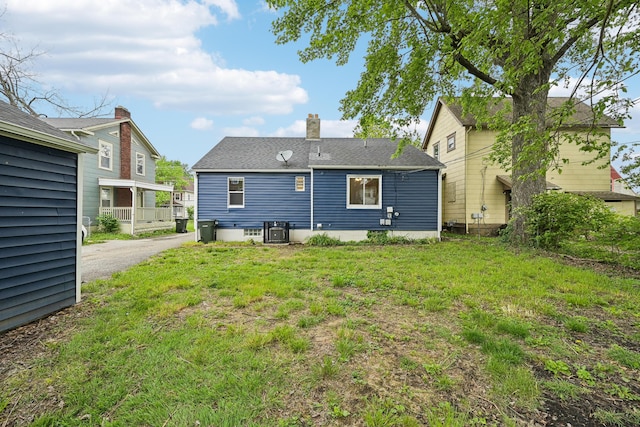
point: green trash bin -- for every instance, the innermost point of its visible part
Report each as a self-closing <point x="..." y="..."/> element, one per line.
<point x="207" y="229"/>
<point x="181" y="225"/>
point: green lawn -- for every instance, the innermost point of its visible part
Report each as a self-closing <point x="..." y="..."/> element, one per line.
<point x="458" y="333"/>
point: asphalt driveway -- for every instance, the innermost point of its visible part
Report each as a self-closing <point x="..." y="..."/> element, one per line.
<point x="101" y="260"/>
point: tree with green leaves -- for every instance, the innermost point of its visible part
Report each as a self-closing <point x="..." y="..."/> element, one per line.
<point x="480" y="52"/>
<point x="171" y="172"/>
<point x="629" y="156"/>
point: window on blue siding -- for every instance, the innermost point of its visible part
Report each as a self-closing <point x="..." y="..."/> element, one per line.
<point x="236" y="192"/>
<point x="299" y="183"/>
<point x="364" y="191"/>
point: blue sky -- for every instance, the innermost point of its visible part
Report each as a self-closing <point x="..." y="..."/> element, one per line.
<point x="192" y="72"/>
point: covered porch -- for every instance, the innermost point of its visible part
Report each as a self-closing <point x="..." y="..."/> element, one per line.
<point x="131" y="203"/>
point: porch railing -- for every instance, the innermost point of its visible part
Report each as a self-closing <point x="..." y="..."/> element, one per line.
<point x="141" y="214"/>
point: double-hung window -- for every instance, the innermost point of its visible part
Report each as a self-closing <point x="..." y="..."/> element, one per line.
<point x="451" y="142"/>
<point x="140" y="163"/>
<point x="235" y="192"/>
<point x="105" y="155"/>
<point x="364" y="191"/>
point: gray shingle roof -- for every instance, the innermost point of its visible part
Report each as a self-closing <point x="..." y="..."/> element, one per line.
<point x="251" y="153"/>
<point x="15" y="116"/>
<point x="76" y="123"/>
<point x="582" y="116"/>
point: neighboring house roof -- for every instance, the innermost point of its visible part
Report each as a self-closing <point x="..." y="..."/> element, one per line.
<point x="17" y="124"/>
<point x="582" y="116"/>
<point x="607" y="195"/>
<point x="259" y="154"/>
<point x="508" y="183"/>
<point x="89" y="125"/>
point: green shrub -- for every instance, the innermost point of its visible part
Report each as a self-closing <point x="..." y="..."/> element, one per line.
<point x="323" y="240"/>
<point x="108" y="224"/>
<point x="554" y="217"/>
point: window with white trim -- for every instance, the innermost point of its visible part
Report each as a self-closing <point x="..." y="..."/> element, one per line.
<point x="299" y="183"/>
<point x="235" y="192"/>
<point x="364" y="191"/>
<point x="436" y="150"/>
<point x="105" y="155"/>
<point x="140" y="163"/>
<point x="106" y="200"/>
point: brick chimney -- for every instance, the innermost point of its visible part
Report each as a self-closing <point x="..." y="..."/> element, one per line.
<point x="125" y="142"/>
<point x="313" y="127"/>
<point x="122" y="113"/>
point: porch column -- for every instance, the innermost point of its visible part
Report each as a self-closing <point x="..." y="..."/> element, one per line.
<point x="133" y="208"/>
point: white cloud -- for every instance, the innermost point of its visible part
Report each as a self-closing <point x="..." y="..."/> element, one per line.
<point x="253" y="121"/>
<point x="328" y="129"/>
<point x="228" y="6"/>
<point x="202" y="123"/>
<point x="147" y="49"/>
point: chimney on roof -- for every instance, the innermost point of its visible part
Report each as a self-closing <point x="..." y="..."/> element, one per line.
<point x="313" y="127"/>
<point x="122" y="113"/>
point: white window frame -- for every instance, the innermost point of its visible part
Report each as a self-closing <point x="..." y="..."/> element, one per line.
<point x="436" y="150"/>
<point x="109" y="192"/>
<point x="378" y="205"/>
<point x="239" y="178"/>
<point x="143" y="158"/>
<point x="300" y="184"/>
<point x="109" y="146"/>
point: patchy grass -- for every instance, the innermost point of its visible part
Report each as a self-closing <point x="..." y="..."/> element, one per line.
<point x="458" y="333"/>
<point x="98" y="237"/>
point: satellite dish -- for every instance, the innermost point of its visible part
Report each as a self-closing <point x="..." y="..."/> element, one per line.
<point x="284" y="156"/>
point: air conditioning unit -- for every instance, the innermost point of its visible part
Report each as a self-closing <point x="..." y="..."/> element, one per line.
<point x="276" y="232"/>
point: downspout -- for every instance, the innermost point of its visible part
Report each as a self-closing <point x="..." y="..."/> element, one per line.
<point x="312" y="187"/>
<point x="133" y="208"/>
<point x="195" y="206"/>
<point x="466" y="179"/>
<point x="439" y="203"/>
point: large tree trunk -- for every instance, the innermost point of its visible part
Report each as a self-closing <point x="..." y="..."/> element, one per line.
<point x="528" y="155"/>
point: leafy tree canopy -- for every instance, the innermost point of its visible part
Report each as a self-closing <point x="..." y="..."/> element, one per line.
<point x="480" y="52"/>
<point x="171" y="172"/>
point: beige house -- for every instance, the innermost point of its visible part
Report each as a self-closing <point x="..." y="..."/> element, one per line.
<point x="477" y="193"/>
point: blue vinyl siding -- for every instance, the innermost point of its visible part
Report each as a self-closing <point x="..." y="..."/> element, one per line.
<point x="38" y="231"/>
<point x="414" y="195"/>
<point x="267" y="197"/>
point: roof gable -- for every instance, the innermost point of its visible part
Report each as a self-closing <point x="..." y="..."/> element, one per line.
<point x="582" y="116"/>
<point x="92" y="124"/>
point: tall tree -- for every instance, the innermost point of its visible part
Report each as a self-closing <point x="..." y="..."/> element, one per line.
<point x="481" y="52"/>
<point x="20" y="87"/>
<point x="171" y="172"/>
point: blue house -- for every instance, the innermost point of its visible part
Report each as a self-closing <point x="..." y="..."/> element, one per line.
<point x="40" y="217"/>
<point x="288" y="189"/>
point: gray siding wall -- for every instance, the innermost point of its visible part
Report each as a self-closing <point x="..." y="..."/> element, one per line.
<point x="414" y="195"/>
<point x="38" y="231"/>
<point x="91" y="190"/>
<point x="92" y="171"/>
<point x="268" y="197"/>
